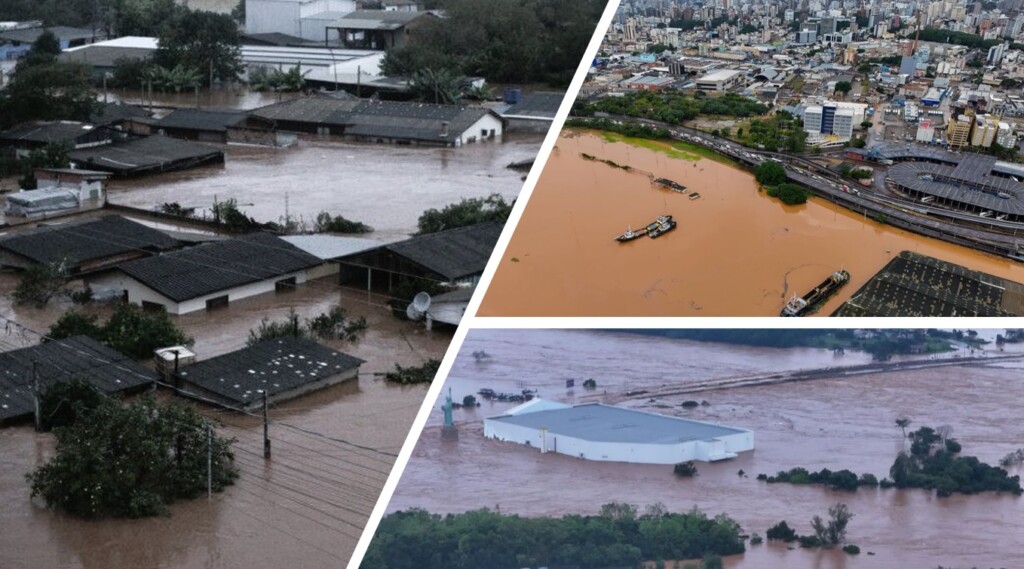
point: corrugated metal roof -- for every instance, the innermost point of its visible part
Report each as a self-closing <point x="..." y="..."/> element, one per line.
<point x="455" y="254"/>
<point x="604" y="423"/>
<point x="89" y="240"/>
<point x="47" y="131"/>
<point x="149" y="153"/>
<point x="60" y="361"/>
<point x="219" y="265"/>
<point x="275" y="366"/>
<point x="378" y="19"/>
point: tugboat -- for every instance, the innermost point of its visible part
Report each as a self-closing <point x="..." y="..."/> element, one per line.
<point x="809" y="303"/>
<point x="671" y="185"/>
<point x="630" y="235"/>
<point x="665" y="224"/>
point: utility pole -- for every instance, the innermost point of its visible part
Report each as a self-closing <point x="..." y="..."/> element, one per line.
<point x="35" y="396"/>
<point x="266" y="425"/>
<point x="209" y="461"/>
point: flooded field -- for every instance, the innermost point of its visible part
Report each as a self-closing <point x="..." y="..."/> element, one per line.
<point x="735" y="252"/>
<point x="304" y="508"/>
<point x="385" y="186"/>
<point x="833" y="423"/>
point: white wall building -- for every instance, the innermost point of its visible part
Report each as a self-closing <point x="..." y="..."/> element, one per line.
<point x="301" y="18"/>
<point x="843" y="125"/>
<point x="720" y="81"/>
<point x="600" y="432"/>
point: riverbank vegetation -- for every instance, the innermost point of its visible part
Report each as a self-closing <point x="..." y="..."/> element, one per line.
<point x="618" y="536"/>
<point x="469" y="211"/>
<point x="932" y="464"/>
<point x="414" y="374"/>
<point x="881" y="344"/>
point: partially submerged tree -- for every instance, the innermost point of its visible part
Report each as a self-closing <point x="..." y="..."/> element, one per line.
<point x="833" y="531"/>
<point x="469" y="211"/>
<point x="133" y="460"/>
<point x="40" y="282"/>
<point x="130" y="330"/>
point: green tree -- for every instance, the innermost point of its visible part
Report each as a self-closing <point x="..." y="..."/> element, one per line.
<point x="132" y="460"/>
<point x="770" y="173"/>
<point x="138" y="333"/>
<point x="469" y="211"/>
<point x="833" y="531"/>
<point x="408" y="375"/>
<point x="326" y="223"/>
<point x="440" y="86"/>
<point x="205" y="42"/>
<point x="843" y="87"/>
<point x="40" y="282"/>
<point x="66" y="402"/>
<point x="46" y="89"/>
<point x="75" y="323"/>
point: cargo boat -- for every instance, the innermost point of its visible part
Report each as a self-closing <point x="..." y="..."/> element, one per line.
<point x="663" y="227"/>
<point x="631" y="234"/>
<point x="671" y="185"/>
<point x="810" y="302"/>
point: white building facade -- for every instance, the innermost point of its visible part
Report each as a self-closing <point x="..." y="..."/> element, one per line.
<point x="614" y="434"/>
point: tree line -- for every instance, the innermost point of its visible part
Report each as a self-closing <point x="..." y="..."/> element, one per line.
<point x="619" y="536"/>
<point x="673" y="106"/>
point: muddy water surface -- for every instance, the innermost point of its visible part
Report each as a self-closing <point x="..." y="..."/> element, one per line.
<point x="842" y="423"/>
<point x="303" y="508"/>
<point x="735" y="252"/>
<point x="385" y="186"/>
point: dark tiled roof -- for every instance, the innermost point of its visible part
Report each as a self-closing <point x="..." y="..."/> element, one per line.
<point x="273" y="38"/>
<point x="142" y="154"/>
<point x="454" y="254"/>
<point x="219" y="265"/>
<point x="319" y="110"/>
<point x="86" y="241"/>
<point x="47" y="131"/>
<point x="62" y="32"/>
<point x="277" y="366"/>
<point x="60" y="361"/>
<point x="543" y="104"/>
<point x="117" y="112"/>
<point x="414" y="121"/>
<point x="200" y="119"/>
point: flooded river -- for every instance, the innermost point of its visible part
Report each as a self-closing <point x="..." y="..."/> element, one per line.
<point x="385" y="186"/>
<point x="304" y="508"/>
<point x="840" y="423"/>
<point x="735" y="252"/>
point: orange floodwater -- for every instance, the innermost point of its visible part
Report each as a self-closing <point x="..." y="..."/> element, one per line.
<point x="735" y="252"/>
<point x="827" y="423"/>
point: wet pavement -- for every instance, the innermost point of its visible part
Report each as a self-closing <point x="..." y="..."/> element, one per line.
<point x="735" y="252"/>
<point x="833" y="423"/>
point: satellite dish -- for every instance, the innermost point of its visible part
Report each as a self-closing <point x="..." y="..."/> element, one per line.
<point x="422" y="302"/>
<point x="413" y="313"/>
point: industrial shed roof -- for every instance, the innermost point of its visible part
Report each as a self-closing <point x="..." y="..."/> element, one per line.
<point x="331" y="246"/>
<point x="111" y="113"/>
<point x="59" y="361"/>
<point x="47" y="131"/>
<point x="219" y="265"/>
<point x="378" y="19"/>
<point x="61" y="32"/>
<point x="152" y="153"/>
<point x="454" y="254"/>
<point x="215" y="120"/>
<point x="535" y="105"/>
<point x="276" y="366"/>
<point x="969" y="182"/>
<point x="323" y="110"/>
<point x="416" y="121"/>
<point x="78" y="242"/>
<point x="603" y="423"/>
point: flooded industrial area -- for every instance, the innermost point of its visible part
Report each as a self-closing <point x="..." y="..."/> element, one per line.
<point x="840" y="422"/>
<point x="344" y="179"/>
<point x="735" y="252"/>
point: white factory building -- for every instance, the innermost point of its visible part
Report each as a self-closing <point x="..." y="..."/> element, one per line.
<point x="595" y="431"/>
<point x="720" y="81"/>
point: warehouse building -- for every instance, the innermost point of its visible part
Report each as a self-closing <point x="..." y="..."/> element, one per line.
<point x="720" y="81"/>
<point x="595" y="431"/>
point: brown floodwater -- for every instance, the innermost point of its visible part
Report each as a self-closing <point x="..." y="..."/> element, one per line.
<point x="304" y="508"/>
<point x="735" y="252"/>
<point x="385" y="186"/>
<point x="833" y="423"/>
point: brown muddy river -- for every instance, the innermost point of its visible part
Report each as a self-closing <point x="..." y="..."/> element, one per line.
<point x="735" y="252"/>
<point x="305" y="508"/>
<point x="833" y="423"/>
<point x="385" y="186"/>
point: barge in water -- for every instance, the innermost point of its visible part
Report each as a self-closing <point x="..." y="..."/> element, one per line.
<point x="810" y="302"/>
<point x="671" y="185"/>
<point x="652" y="229"/>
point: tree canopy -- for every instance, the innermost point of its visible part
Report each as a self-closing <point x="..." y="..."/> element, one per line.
<point x="618" y="537"/>
<point x="117" y="460"/>
<point x="513" y="41"/>
<point x="42" y="88"/>
<point x="130" y="330"/>
<point x="204" y="42"/>
<point x="469" y="211"/>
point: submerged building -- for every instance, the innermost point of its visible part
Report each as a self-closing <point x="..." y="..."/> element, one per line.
<point x="595" y="431"/>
